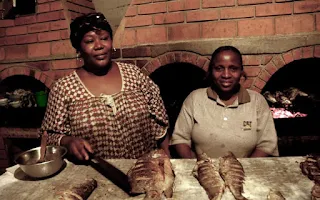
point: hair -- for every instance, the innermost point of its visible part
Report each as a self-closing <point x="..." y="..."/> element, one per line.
<point x="215" y="54"/>
<point x="85" y="23"/>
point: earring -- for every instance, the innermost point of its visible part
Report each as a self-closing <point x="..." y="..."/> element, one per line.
<point x="114" y="49"/>
<point x="79" y="60"/>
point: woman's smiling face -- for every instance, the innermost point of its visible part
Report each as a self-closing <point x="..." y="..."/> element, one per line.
<point x="96" y="47"/>
<point x="227" y="70"/>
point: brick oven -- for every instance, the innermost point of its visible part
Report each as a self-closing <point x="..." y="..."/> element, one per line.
<point x="164" y="37"/>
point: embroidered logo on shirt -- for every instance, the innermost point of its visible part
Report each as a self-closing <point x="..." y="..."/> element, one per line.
<point x="246" y="125"/>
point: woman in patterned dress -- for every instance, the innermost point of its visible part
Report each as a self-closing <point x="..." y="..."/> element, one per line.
<point x="108" y="108"/>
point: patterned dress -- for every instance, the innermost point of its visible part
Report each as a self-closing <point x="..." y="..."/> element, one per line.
<point x="122" y="125"/>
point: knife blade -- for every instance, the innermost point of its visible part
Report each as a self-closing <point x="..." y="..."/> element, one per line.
<point x="112" y="173"/>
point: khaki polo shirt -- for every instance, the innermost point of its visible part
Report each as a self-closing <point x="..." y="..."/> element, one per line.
<point x="216" y="128"/>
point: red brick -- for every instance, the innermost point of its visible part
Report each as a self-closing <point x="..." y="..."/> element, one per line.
<point x="225" y="29"/>
<point x="77" y="8"/>
<point x="40" y="65"/>
<point x="266" y="59"/>
<point x="202" y="15"/>
<point x="318" y="22"/>
<point x="282" y="1"/>
<point x="201" y="61"/>
<point x="187" y="57"/>
<point x="64" y="34"/>
<point x="248" y="83"/>
<point x="251" y="60"/>
<point x="271" y="68"/>
<point x="259" y="83"/>
<point x="151" y="35"/>
<point x="62" y="47"/>
<point x="17" y="30"/>
<point x="131" y="11"/>
<point x="163" y="60"/>
<point x="39" y="50"/>
<point x="25" y="39"/>
<point x="278" y="61"/>
<point x="170" y="57"/>
<point x="184" y="32"/>
<point x="51" y="16"/>
<point x="49" y="82"/>
<point x="256" y="27"/>
<point x="217" y="3"/>
<point x="37" y="75"/>
<point x="297" y="53"/>
<point x="63" y="64"/>
<point x="40" y="27"/>
<point x="134" y="2"/>
<point x="307" y="52"/>
<point x="56" y="5"/>
<point x="192" y="4"/>
<point x="264" y="75"/>
<point x="2" y="32"/>
<point x="61" y="24"/>
<point x="175" y="6"/>
<point x="237" y="12"/>
<point x="169" y="18"/>
<point x="294" y="24"/>
<point x="7" y="40"/>
<point x="287" y="57"/>
<point x="43" y="8"/>
<point x="49" y="36"/>
<point x="129" y="37"/>
<point x="252" y="71"/>
<point x="152" y="8"/>
<point x="317" y="51"/>
<point x="142" y="63"/>
<point x="274" y="9"/>
<point x="16" y="52"/>
<point x="142" y="20"/>
<point x="6" y="23"/>
<point x="44" y="1"/>
<point x="2" y="53"/>
<point x="25" y="20"/>
<point x="247" y="2"/>
<point x="306" y="6"/>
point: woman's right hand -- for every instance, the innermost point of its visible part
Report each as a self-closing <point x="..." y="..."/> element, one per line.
<point x="77" y="147"/>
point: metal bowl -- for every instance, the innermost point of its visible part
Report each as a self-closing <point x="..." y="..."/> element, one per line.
<point x="28" y="161"/>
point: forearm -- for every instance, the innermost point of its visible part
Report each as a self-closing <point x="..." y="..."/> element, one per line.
<point x="258" y="153"/>
<point x="184" y="151"/>
<point x="165" y="145"/>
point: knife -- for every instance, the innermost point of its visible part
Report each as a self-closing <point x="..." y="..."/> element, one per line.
<point x="112" y="173"/>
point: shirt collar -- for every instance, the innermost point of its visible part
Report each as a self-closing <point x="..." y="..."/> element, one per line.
<point x="243" y="95"/>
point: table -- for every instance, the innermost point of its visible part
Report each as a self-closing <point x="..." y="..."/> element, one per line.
<point x="262" y="174"/>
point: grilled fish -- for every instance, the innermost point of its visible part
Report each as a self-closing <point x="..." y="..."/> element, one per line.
<point x="152" y="174"/>
<point x="209" y="177"/>
<point x="275" y="195"/>
<point x="232" y="173"/>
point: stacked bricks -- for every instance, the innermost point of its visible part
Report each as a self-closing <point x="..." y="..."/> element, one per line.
<point x="160" y="21"/>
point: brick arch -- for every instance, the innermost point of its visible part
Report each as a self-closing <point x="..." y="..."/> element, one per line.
<point x="27" y="71"/>
<point x="277" y="61"/>
<point x="174" y="57"/>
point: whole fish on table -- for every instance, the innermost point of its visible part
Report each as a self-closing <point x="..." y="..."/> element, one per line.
<point x="208" y="176"/>
<point x="152" y="174"/>
<point x="233" y="175"/>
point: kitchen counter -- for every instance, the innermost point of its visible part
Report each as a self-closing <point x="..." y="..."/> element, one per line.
<point x="262" y="174"/>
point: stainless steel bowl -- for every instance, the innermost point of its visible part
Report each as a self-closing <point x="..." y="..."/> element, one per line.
<point x="28" y="161"/>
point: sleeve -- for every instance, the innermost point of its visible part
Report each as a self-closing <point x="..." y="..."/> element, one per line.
<point x="55" y="118"/>
<point x="267" y="135"/>
<point x="184" y="124"/>
<point x="156" y="106"/>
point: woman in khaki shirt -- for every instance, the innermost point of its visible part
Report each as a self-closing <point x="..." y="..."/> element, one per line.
<point x="225" y="116"/>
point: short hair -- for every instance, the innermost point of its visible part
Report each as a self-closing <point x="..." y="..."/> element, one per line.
<point x="214" y="55"/>
<point x="86" y="23"/>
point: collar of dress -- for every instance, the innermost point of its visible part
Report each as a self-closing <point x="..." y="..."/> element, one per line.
<point x="243" y="95"/>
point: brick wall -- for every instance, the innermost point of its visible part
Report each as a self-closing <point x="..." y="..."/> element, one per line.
<point x="160" y="21"/>
<point x="38" y="45"/>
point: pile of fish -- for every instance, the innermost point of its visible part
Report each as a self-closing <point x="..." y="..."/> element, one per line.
<point x="311" y="168"/>
<point x="152" y="174"/>
<point x="230" y="174"/>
